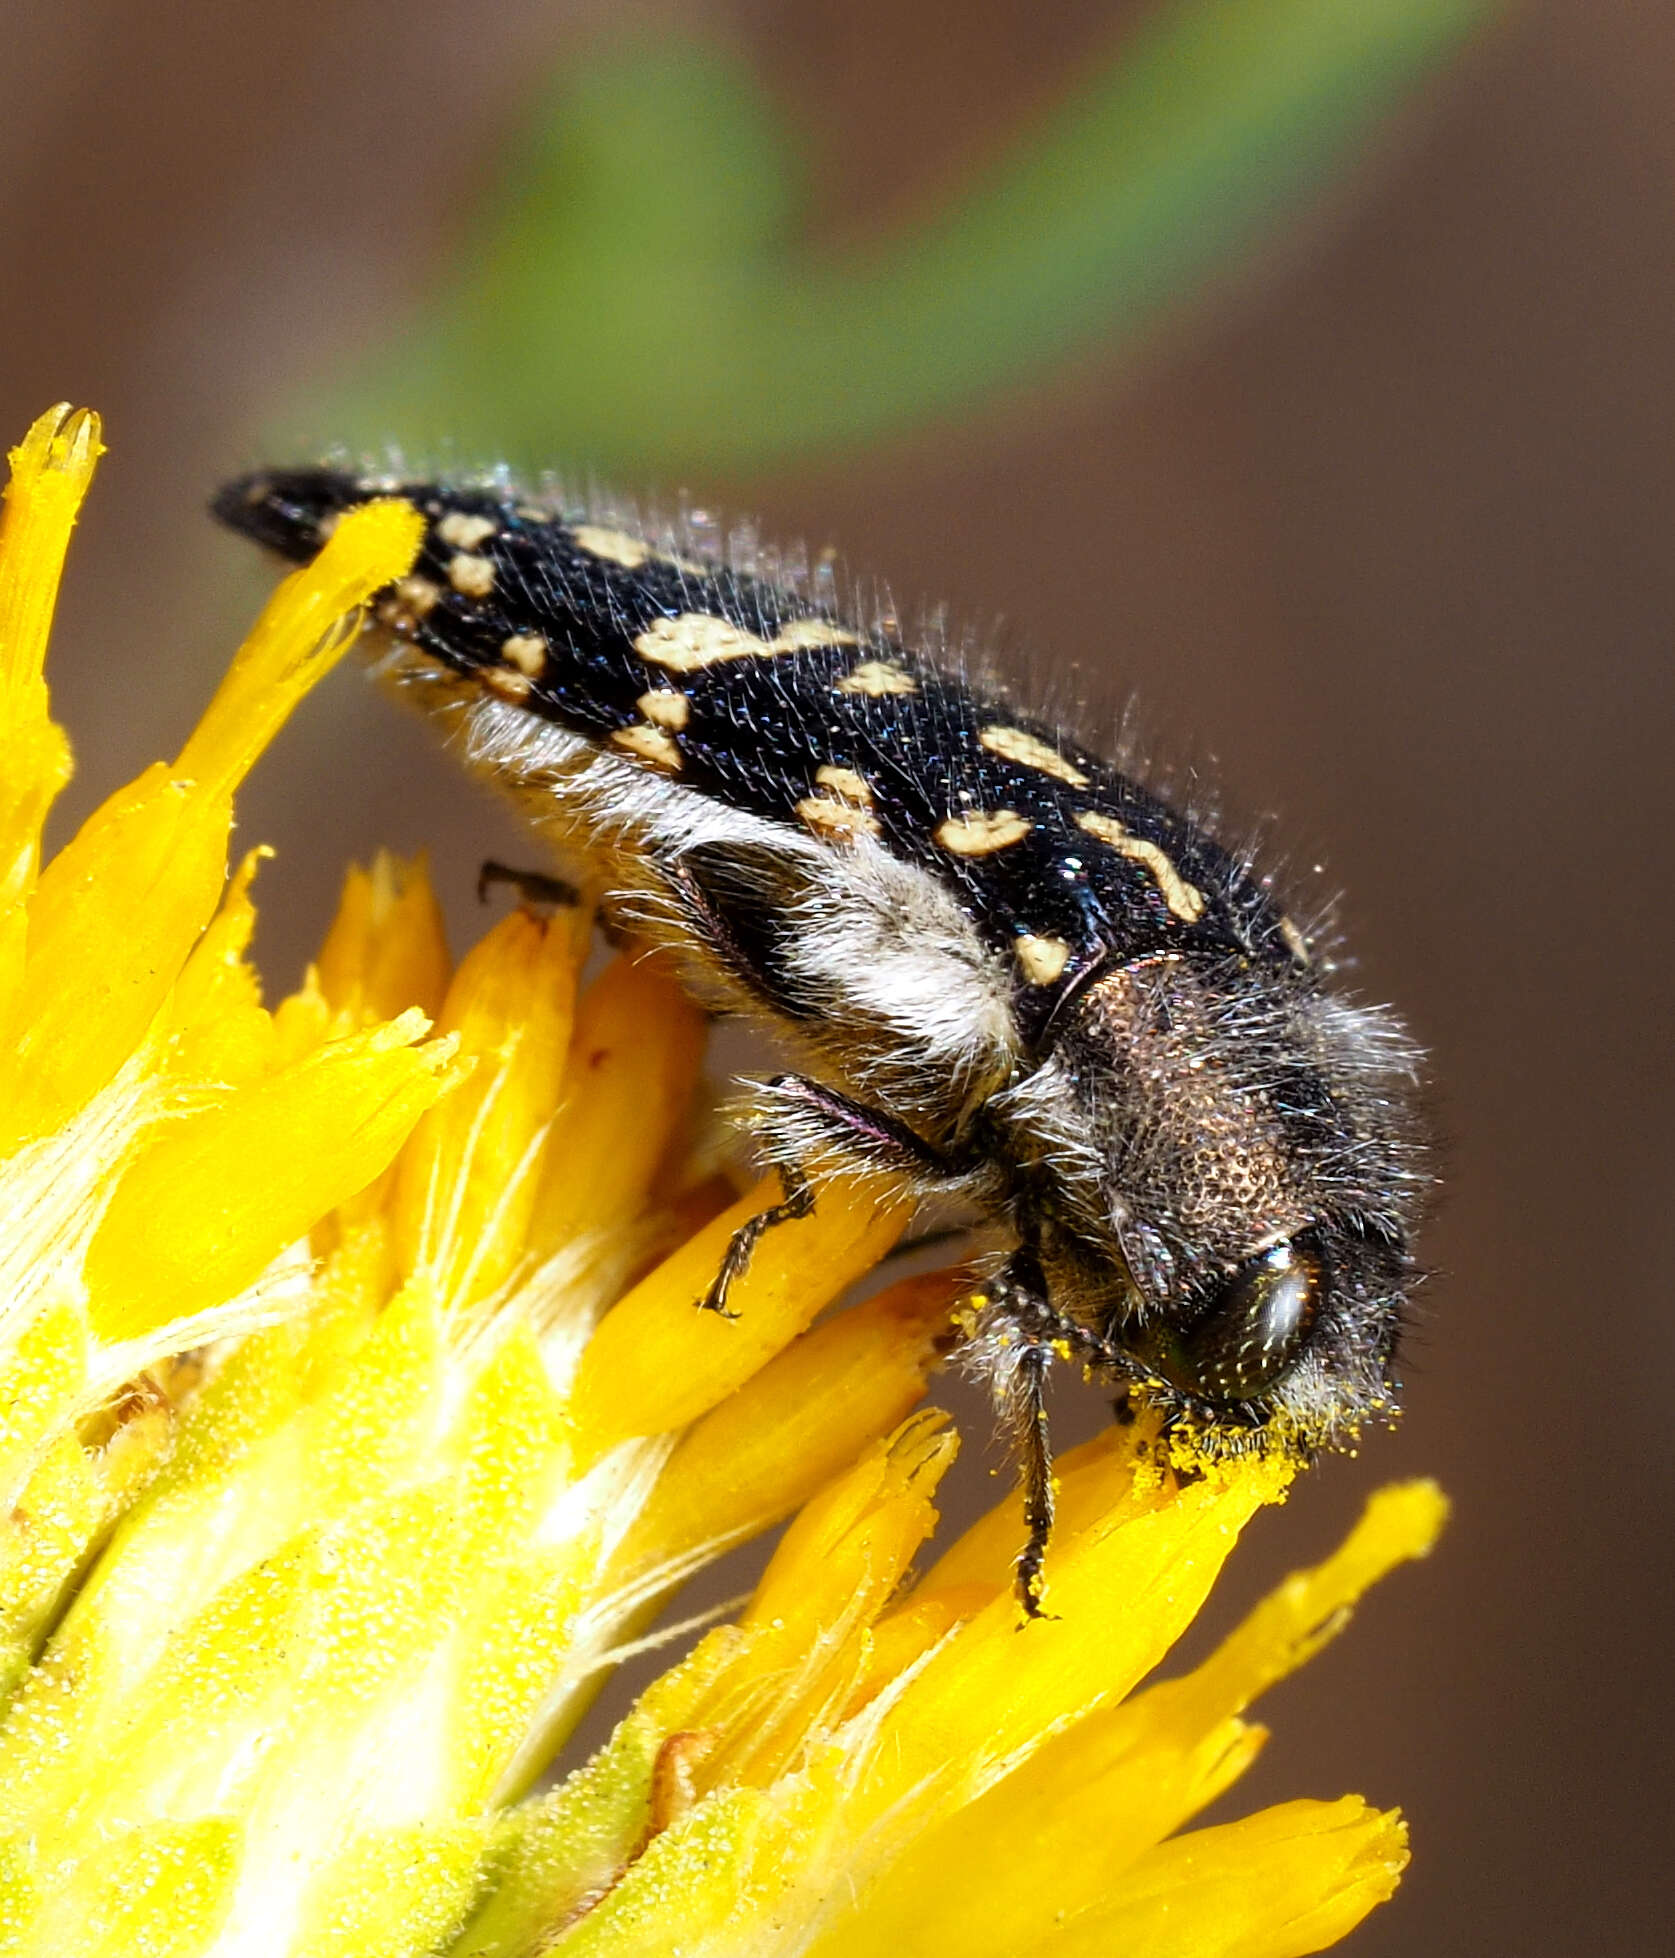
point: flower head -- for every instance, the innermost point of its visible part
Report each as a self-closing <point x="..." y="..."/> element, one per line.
<point x="355" y="1415"/>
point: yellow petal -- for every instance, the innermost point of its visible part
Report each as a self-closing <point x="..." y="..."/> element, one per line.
<point x="51" y="471"/>
<point x="1311" y="1607"/>
<point x="218" y="1030"/>
<point x="657" y="1361"/>
<point x="796" y="1425"/>
<point x="796" y="1657"/>
<point x="115" y="914"/>
<point x="1093" y="1483"/>
<point x="994" y="1876"/>
<point x="1278" y="1884"/>
<point x="633" y="1063"/>
<point x="112" y="920"/>
<point x="219" y="1194"/>
<point x="847" y="1548"/>
<point x="387" y="948"/>
<point x="468" y="1180"/>
<point x="304" y="629"/>
<point x="991" y="1695"/>
<point x="162" y="1889"/>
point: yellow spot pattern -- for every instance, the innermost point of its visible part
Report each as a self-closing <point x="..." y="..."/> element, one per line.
<point x="417" y="595"/>
<point x="465" y="532"/>
<point x="877" y="678"/>
<point x="1041" y="960"/>
<point x="614" y="546"/>
<point x="1014" y="744"/>
<point x="663" y="707"/>
<point x="838" y="822"/>
<point x="471" y="576"/>
<point x="649" y="744"/>
<point x="845" y="784"/>
<point x="527" y="651"/>
<point x="698" y="639"/>
<point x="982" y="832"/>
<point x="695" y="640"/>
<point x="812" y="632"/>
<point x="1185" y="901"/>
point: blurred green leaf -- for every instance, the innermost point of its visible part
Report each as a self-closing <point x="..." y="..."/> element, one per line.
<point x="637" y="295"/>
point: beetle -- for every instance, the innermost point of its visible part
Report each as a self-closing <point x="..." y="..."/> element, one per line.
<point x="1006" y="970"/>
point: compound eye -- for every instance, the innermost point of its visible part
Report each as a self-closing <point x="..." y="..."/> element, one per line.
<point x="1256" y="1324"/>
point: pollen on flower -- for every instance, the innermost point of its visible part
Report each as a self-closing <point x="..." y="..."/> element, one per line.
<point x="355" y="1416"/>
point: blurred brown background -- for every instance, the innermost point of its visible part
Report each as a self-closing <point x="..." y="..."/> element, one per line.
<point x="1388" y="529"/>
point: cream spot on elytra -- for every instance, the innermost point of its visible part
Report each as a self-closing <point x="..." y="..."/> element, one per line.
<point x="665" y="708"/>
<point x="471" y="576"/>
<point x="1015" y="744"/>
<point x="1041" y="960"/>
<point x="695" y="640"/>
<point x="877" y="678"/>
<point x="614" y="546"/>
<point x="1185" y="901"/>
<point x="981" y="832"/>
<point x="838" y="822"/>
<point x="515" y="687"/>
<point x="795" y="634"/>
<point x="649" y="744"/>
<point x="417" y="594"/>
<point x="527" y="651"/>
<point x="465" y="532"/>
<point x="845" y="784"/>
<point x="410" y="599"/>
<point x="699" y="639"/>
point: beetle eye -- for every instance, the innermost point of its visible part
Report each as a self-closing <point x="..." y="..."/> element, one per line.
<point x="1255" y="1325"/>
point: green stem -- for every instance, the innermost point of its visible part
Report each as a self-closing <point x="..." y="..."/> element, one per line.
<point x="639" y="296"/>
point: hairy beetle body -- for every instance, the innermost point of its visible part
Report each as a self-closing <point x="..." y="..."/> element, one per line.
<point x="1006" y="968"/>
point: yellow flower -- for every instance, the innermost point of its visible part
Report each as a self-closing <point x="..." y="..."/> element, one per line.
<point x="355" y="1415"/>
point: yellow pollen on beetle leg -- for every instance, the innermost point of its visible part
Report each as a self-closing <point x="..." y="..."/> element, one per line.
<point x="527" y="651"/>
<point x="839" y="822"/>
<point x="695" y="640"/>
<point x="876" y="677"/>
<point x="1029" y="751"/>
<point x="471" y="576"/>
<point x="663" y="707"/>
<point x="982" y="832"/>
<point x="1041" y="960"/>
<point x="1184" y="900"/>
<point x="649" y="744"/>
<point x="845" y="784"/>
<point x="614" y="546"/>
<point x="465" y="532"/>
